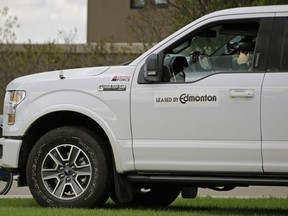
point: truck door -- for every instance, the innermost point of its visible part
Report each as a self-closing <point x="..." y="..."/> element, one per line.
<point x="275" y="101"/>
<point x="204" y="114"/>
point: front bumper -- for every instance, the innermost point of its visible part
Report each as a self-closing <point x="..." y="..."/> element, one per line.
<point x="9" y="152"/>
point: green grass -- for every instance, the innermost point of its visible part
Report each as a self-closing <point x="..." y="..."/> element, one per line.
<point x="199" y="206"/>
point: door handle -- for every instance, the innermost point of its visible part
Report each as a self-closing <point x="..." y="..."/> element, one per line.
<point x="242" y="93"/>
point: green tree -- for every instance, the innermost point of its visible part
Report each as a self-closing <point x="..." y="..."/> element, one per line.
<point x="7" y="25"/>
<point x="148" y="29"/>
<point x="185" y="11"/>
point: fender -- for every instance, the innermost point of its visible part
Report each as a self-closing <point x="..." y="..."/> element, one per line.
<point x="115" y="122"/>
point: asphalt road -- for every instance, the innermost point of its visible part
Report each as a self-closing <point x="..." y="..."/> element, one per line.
<point x="241" y="192"/>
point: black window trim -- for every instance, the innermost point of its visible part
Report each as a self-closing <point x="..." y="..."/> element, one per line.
<point x="279" y="46"/>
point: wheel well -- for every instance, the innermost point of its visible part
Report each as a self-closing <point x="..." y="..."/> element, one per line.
<point x="49" y="122"/>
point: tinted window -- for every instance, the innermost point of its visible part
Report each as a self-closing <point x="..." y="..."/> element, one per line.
<point x="217" y="49"/>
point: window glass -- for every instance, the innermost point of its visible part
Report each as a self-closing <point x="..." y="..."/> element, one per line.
<point x="161" y="2"/>
<point x="217" y="49"/>
<point x="141" y="3"/>
<point x="137" y="3"/>
<point x="284" y="60"/>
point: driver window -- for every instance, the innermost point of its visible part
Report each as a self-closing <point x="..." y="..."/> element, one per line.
<point x="217" y="49"/>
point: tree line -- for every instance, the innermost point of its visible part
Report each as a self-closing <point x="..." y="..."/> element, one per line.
<point x="178" y="13"/>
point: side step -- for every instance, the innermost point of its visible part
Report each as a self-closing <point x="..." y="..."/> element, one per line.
<point x="205" y="181"/>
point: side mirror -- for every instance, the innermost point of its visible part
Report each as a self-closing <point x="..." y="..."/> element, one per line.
<point x="151" y="69"/>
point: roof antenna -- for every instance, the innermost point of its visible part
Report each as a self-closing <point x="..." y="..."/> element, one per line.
<point x="61" y="74"/>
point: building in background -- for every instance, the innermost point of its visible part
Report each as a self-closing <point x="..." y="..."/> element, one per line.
<point x="107" y="19"/>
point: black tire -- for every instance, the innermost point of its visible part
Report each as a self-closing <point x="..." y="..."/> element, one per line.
<point x="6" y="180"/>
<point x="156" y="196"/>
<point x="69" y="167"/>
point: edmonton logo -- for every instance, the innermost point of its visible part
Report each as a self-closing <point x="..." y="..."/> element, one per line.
<point x="184" y="98"/>
<point x="188" y="99"/>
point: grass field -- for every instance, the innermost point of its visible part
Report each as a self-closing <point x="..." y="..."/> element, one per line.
<point x="199" y="206"/>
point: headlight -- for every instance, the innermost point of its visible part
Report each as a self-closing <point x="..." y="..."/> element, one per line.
<point x="16" y="97"/>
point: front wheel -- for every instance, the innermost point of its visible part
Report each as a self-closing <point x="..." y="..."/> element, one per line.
<point x="6" y="180"/>
<point x="69" y="167"/>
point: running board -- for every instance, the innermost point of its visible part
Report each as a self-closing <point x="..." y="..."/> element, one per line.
<point x="211" y="181"/>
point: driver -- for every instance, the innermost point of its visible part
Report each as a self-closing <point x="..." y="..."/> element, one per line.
<point x="242" y="61"/>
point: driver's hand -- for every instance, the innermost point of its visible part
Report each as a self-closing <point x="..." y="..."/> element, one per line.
<point x="242" y="59"/>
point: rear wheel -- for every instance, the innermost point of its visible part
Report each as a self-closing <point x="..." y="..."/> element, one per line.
<point x="69" y="167"/>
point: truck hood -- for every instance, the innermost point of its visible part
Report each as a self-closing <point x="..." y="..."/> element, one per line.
<point x="56" y="75"/>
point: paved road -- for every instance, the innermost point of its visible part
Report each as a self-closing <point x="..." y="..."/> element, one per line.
<point x="244" y="192"/>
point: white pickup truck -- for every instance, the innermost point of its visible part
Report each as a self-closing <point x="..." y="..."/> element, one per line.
<point x="206" y="107"/>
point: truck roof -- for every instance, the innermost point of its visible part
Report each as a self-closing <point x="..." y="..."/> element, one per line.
<point x="254" y="9"/>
